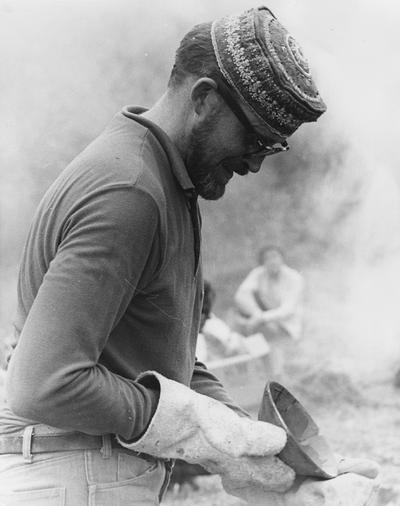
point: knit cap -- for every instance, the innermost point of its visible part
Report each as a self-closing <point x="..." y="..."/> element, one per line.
<point x="266" y="67"/>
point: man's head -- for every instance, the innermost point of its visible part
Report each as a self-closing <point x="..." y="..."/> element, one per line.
<point x="272" y="259"/>
<point x="250" y="88"/>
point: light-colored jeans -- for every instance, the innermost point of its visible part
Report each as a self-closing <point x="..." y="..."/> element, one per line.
<point x="82" y="478"/>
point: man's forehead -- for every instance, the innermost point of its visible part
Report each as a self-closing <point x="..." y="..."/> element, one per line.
<point x="259" y="125"/>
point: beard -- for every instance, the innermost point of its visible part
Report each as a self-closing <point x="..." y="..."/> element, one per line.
<point x="210" y="180"/>
<point x="203" y="174"/>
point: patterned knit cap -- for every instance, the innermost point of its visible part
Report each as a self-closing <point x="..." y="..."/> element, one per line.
<point x="267" y="68"/>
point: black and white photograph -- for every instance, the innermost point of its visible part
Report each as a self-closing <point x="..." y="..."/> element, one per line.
<point x="199" y="253"/>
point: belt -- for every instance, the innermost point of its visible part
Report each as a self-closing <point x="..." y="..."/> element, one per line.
<point x="42" y="443"/>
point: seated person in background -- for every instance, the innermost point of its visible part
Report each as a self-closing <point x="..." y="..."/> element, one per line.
<point x="269" y="301"/>
<point x="216" y="340"/>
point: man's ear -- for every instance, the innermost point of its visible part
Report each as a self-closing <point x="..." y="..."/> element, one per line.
<point x="204" y="96"/>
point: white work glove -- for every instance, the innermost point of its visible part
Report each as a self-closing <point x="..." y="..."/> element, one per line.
<point x="201" y="430"/>
<point x="355" y="485"/>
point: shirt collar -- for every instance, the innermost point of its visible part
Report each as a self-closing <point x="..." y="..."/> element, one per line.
<point x="174" y="157"/>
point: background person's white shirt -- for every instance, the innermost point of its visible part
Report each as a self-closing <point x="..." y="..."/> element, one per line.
<point x="281" y="297"/>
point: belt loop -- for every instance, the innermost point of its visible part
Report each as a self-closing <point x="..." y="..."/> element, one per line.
<point x="27" y="444"/>
<point x="106" y="449"/>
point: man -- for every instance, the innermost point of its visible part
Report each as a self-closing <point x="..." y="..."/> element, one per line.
<point x="269" y="300"/>
<point x="110" y="286"/>
<point x="270" y="297"/>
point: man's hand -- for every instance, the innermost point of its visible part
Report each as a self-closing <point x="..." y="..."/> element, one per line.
<point x="255" y="320"/>
<point x="363" y="467"/>
<point x="356" y="485"/>
<point x="201" y="430"/>
<point x="245" y="477"/>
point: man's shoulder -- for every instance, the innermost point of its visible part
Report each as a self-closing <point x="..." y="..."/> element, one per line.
<point x="293" y="275"/>
<point x="256" y="271"/>
<point x="122" y="156"/>
<point x="123" y="152"/>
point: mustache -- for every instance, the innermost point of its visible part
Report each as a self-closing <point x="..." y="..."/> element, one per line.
<point x="238" y="165"/>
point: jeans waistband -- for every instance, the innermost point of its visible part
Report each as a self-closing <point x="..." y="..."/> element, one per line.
<point x="36" y="439"/>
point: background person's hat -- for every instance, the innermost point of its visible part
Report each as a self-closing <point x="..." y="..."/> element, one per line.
<point x="267" y="68"/>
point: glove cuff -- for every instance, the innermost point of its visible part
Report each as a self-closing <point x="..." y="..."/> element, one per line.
<point x="198" y="428"/>
<point x="162" y="430"/>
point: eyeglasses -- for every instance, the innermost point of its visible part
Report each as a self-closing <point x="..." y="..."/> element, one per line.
<point x="262" y="149"/>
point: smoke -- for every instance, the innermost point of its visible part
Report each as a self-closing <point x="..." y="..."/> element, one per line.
<point x="354" y="46"/>
<point x="333" y="201"/>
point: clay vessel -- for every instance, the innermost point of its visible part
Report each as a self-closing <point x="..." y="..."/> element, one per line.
<point x="307" y="452"/>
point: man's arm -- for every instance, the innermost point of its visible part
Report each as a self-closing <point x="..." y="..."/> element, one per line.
<point x="204" y="382"/>
<point x="245" y="298"/>
<point x="54" y="376"/>
<point x="290" y="302"/>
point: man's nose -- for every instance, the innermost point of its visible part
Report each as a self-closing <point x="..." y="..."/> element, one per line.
<point x="254" y="163"/>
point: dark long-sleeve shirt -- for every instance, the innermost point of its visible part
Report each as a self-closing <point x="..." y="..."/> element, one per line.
<point x="110" y="286"/>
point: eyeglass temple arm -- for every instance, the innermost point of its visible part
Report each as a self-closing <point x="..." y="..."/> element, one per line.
<point x="226" y="94"/>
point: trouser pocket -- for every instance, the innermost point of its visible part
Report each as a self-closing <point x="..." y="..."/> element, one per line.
<point x="137" y="480"/>
<point x="41" y="497"/>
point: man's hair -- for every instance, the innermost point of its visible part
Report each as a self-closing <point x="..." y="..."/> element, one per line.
<point x="209" y="298"/>
<point x="267" y="248"/>
<point x="194" y="56"/>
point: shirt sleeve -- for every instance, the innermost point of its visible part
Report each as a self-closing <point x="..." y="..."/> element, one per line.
<point x="245" y="299"/>
<point x="205" y="383"/>
<point x="291" y="300"/>
<point x="54" y="376"/>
